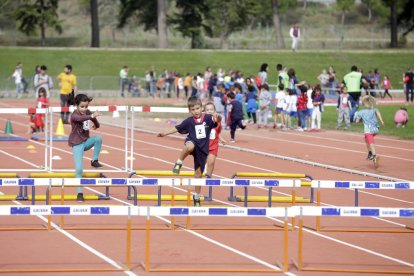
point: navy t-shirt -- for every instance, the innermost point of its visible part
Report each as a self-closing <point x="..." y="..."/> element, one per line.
<point x="198" y="131"/>
<point x="236" y="110"/>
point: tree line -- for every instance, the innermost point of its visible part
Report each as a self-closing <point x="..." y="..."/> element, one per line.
<point x="194" y="19"/>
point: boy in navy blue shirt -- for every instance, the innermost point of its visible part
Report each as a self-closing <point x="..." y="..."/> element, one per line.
<point x="198" y="128"/>
<point x="236" y="115"/>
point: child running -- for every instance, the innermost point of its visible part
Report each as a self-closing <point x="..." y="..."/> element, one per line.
<point x="79" y="138"/>
<point x="215" y="139"/>
<point x="198" y="128"/>
<point x="236" y="115"/>
<point x="369" y="116"/>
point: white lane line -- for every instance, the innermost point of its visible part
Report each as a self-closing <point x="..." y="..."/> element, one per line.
<point x="206" y="238"/>
<point x="20" y="159"/>
<point x="327" y="237"/>
<point x="222" y="245"/>
<point x="304" y="135"/>
<point x="314" y="232"/>
<point x="82" y="244"/>
<point x="234" y="162"/>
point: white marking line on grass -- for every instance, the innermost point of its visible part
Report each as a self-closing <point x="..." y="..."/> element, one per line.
<point x="319" y="234"/>
<point x="82" y="244"/>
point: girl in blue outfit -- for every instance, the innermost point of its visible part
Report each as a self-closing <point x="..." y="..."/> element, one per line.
<point x="251" y="100"/>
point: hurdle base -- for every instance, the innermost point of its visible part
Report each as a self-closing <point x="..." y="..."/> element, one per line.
<point x="154" y="197"/>
<point x="54" y="138"/>
<point x="224" y="270"/>
<point x="67" y="197"/>
<point x="12" y="138"/>
<point x="406" y="230"/>
<point x="279" y="199"/>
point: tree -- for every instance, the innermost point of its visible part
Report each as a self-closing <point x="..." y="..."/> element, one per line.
<point x="94" y="23"/>
<point x="147" y="13"/>
<point x="226" y="17"/>
<point x="38" y="14"/>
<point x="189" y="20"/>
<point x="344" y="6"/>
<point x="406" y="17"/>
<point x="280" y="43"/>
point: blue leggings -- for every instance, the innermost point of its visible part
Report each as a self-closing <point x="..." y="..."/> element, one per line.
<point x="94" y="141"/>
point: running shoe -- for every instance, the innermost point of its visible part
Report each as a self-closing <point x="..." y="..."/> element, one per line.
<point x="176" y="169"/>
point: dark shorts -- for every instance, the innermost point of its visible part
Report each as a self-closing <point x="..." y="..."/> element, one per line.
<point x="200" y="158"/>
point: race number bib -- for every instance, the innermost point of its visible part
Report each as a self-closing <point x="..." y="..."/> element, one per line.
<point x="86" y="125"/>
<point x="200" y="131"/>
<point x="213" y="134"/>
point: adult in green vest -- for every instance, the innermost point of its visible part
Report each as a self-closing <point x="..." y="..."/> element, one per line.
<point x="352" y="82"/>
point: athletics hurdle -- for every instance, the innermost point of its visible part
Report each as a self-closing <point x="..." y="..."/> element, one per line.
<point x="159" y="197"/>
<point x="12" y="197"/>
<point x="269" y="198"/>
<point x="50" y="210"/>
<point x="60" y="175"/>
<point x="321" y="184"/>
<point x="219" y="212"/>
<point x="347" y="212"/>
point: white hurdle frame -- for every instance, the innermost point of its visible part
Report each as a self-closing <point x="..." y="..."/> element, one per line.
<point x="152" y="109"/>
<point x="91" y="108"/>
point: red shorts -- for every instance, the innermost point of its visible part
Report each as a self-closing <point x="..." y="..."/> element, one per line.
<point x="369" y="137"/>
<point x="214" y="151"/>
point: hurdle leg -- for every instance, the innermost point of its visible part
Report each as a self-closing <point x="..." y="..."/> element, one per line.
<point x="48" y="202"/>
<point x="318" y="203"/>
<point x="245" y="197"/>
<point x="20" y="196"/>
<point x="147" y="242"/>
<point x="231" y="196"/>
<point x="159" y="196"/>
<point x="173" y="204"/>
<point x="128" y="241"/>
<point x="62" y="202"/>
<point x="300" y="241"/>
<point x="286" y="244"/>
<point x="210" y="191"/>
<point x="188" y="205"/>
<point x="356" y="198"/>
<point x="33" y="196"/>
<point x="269" y="202"/>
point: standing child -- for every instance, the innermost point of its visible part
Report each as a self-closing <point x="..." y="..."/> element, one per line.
<point x="41" y="102"/>
<point x="302" y="106"/>
<point x="344" y="108"/>
<point x="198" y="128"/>
<point x="317" y="99"/>
<point x="236" y="115"/>
<point x="369" y="116"/>
<point x="401" y="117"/>
<point x="280" y="100"/>
<point x="215" y="139"/>
<point x="292" y="108"/>
<point x="79" y="138"/>
<point x="387" y="86"/>
<point x="251" y="100"/>
<point x="265" y="97"/>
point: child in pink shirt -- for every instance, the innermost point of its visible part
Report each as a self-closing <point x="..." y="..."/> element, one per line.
<point x="401" y="117"/>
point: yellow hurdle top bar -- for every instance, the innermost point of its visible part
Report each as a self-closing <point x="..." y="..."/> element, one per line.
<point x="9" y="175"/>
<point x="279" y="175"/>
<point x="65" y="175"/>
<point x="164" y="173"/>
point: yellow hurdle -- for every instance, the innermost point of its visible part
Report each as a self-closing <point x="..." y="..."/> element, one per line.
<point x="269" y="198"/>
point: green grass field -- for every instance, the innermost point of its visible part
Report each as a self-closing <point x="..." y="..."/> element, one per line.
<point x="107" y="62"/>
<point x="329" y="120"/>
<point x="308" y="65"/>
